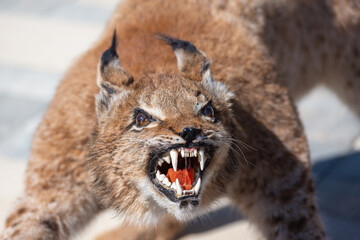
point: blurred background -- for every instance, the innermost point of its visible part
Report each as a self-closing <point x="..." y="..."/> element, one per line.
<point x="40" y="39"/>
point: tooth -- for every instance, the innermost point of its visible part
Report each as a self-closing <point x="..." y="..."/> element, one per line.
<point x="166" y="182"/>
<point x="182" y="153"/>
<point x="202" y="159"/>
<point x="195" y="153"/>
<point x="178" y="187"/>
<point x="188" y="192"/>
<point x="161" y="177"/>
<point x="158" y="175"/>
<point x="173" y="186"/>
<point x="160" y="163"/>
<point x="197" y="186"/>
<point x="167" y="159"/>
<point x="191" y="154"/>
<point x="174" y="159"/>
<point x="187" y="154"/>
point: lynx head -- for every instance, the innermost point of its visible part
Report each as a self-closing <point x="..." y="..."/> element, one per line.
<point x="159" y="139"/>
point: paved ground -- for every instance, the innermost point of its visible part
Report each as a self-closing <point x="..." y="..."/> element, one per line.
<point x="40" y="38"/>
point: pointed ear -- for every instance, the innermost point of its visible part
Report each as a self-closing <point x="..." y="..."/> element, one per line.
<point x="194" y="65"/>
<point x="112" y="79"/>
<point x="191" y="62"/>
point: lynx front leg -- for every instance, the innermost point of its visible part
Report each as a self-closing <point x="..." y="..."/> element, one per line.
<point x="282" y="205"/>
<point x="57" y="200"/>
<point x="51" y="208"/>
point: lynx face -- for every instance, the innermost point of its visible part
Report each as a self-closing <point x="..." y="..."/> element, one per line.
<point x="160" y="138"/>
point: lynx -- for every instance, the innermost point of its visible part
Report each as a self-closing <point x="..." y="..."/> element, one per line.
<point x="194" y="103"/>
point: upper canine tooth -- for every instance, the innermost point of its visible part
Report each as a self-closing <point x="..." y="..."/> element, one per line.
<point x="195" y="153"/>
<point x="197" y="186"/>
<point x="182" y="153"/>
<point x="178" y="187"/>
<point x="167" y="159"/>
<point x="160" y="162"/>
<point x="174" y="159"/>
<point x="202" y="159"/>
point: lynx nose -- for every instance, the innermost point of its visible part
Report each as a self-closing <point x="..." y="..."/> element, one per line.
<point x="189" y="133"/>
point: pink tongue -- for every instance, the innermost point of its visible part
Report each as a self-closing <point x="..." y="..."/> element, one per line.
<point x="185" y="176"/>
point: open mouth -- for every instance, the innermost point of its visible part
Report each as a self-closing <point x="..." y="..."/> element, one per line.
<point x="178" y="171"/>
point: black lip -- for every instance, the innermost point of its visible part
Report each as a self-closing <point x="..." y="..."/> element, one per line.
<point x="152" y="166"/>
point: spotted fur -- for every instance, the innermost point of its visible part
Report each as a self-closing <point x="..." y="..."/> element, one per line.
<point x="88" y="155"/>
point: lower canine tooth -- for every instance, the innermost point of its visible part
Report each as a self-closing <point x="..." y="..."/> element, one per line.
<point x="197" y="186"/>
<point x="158" y="174"/>
<point x="178" y="187"/>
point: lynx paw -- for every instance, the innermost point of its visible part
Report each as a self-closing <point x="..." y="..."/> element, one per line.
<point x="24" y="224"/>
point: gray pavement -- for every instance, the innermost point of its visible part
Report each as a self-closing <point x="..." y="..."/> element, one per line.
<point x="337" y="183"/>
<point x="40" y="38"/>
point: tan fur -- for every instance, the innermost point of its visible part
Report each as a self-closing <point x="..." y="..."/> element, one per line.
<point x="266" y="53"/>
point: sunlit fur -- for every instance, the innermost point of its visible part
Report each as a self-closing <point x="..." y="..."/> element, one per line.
<point x="266" y="52"/>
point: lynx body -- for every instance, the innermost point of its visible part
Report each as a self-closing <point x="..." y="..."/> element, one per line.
<point x="178" y="124"/>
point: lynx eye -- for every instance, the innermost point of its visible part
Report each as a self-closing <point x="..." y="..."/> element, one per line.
<point x="142" y="120"/>
<point x="208" y="111"/>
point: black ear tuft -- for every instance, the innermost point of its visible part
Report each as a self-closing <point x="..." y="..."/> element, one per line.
<point x="111" y="73"/>
<point x="112" y="79"/>
<point x="177" y="43"/>
<point x="191" y="62"/>
<point x="110" y="54"/>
